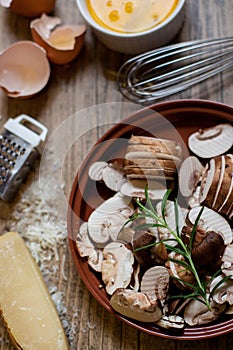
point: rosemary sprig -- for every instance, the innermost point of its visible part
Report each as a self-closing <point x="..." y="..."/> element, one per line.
<point x="200" y="289"/>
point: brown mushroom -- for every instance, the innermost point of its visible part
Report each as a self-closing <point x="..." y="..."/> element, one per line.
<point x="209" y="251"/>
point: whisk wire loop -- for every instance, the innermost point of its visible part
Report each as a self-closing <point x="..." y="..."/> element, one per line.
<point x="174" y="68"/>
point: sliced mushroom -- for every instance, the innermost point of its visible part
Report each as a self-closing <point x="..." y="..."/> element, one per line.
<point x="117" y="266"/>
<point x="95" y="171"/>
<point x="87" y="249"/>
<point x="150" y="163"/>
<point x="141" y="244"/>
<point x="227" y="188"/>
<point x="211" y="142"/>
<point x="227" y="259"/>
<point x="179" y="274"/>
<point x="114" y="176"/>
<point x="155" y="283"/>
<point x="106" y="221"/>
<point x="210" y="181"/>
<point x="223" y="292"/>
<point x="126" y="234"/>
<point x="216" y="185"/>
<point x="197" y="313"/>
<point x="212" y="221"/>
<point x="190" y="173"/>
<point x="135" y="305"/>
<point x="171" y="322"/>
<point x="166" y="146"/>
<point x="136" y="188"/>
<point x="170" y="218"/>
<point x="209" y="251"/>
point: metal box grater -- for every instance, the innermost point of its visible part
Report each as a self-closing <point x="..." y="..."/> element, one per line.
<point x="20" y="146"/>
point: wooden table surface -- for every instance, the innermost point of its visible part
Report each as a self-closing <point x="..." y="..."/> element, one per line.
<point x="40" y="205"/>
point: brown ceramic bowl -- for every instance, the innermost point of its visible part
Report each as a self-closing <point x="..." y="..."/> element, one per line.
<point x="186" y="116"/>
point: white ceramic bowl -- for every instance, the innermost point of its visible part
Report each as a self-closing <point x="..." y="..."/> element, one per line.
<point x="136" y="42"/>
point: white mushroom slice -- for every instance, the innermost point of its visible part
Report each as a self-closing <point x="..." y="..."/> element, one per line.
<point x="224" y="292"/>
<point x="95" y="260"/>
<point x="171" y="322"/>
<point x="86" y="248"/>
<point x="170" y="217"/>
<point x="95" y="171"/>
<point x="227" y="259"/>
<point x="224" y="181"/>
<point x="114" y="176"/>
<point x="106" y="221"/>
<point x="155" y="283"/>
<point x="190" y="173"/>
<point x="197" y="313"/>
<point x="211" y="142"/>
<point x="84" y="245"/>
<point x="135" y="305"/>
<point x="117" y="266"/>
<point x="194" y="200"/>
<point x="136" y="188"/>
<point x="212" y="221"/>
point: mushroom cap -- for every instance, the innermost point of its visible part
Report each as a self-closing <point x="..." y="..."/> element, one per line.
<point x="95" y="172"/>
<point x="117" y="266"/>
<point x="114" y="176"/>
<point x="170" y="217"/>
<point x="190" y="173"/>
<point x="211" y="142"/>
<point x="212" y="221"/>
<point x="106" y="221"/>
<point x="155" y="283"/>
<point x="171" y="322"/>
<point x="135" y="305"/>
<point x="224" y="292"/>
<point x="197" y="313"/>
<point x="136" y="188"/>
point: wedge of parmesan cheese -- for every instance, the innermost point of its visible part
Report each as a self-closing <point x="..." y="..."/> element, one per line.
<point x="26" y="306"/>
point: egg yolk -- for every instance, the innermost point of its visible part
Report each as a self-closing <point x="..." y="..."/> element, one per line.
<point x="130" y="16"/>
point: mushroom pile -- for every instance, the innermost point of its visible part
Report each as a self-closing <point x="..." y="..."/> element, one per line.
<point x="141" y="265"/>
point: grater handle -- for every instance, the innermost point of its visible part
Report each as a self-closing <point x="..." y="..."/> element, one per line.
<point x="17" y="127"/>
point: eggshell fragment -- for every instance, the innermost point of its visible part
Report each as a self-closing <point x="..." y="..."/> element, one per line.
<point x="29" y="8"/>
<point x="24" y="69"/>
<point x="62" y="44"/>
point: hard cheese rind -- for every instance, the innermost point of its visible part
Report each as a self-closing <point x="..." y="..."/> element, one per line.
<point x="26" y="305"/>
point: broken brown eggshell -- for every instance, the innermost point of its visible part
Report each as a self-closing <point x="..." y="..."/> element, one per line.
<point x="62" y="44"/>
<point x="29" y="8"/>
<point x="24" y="69"/>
